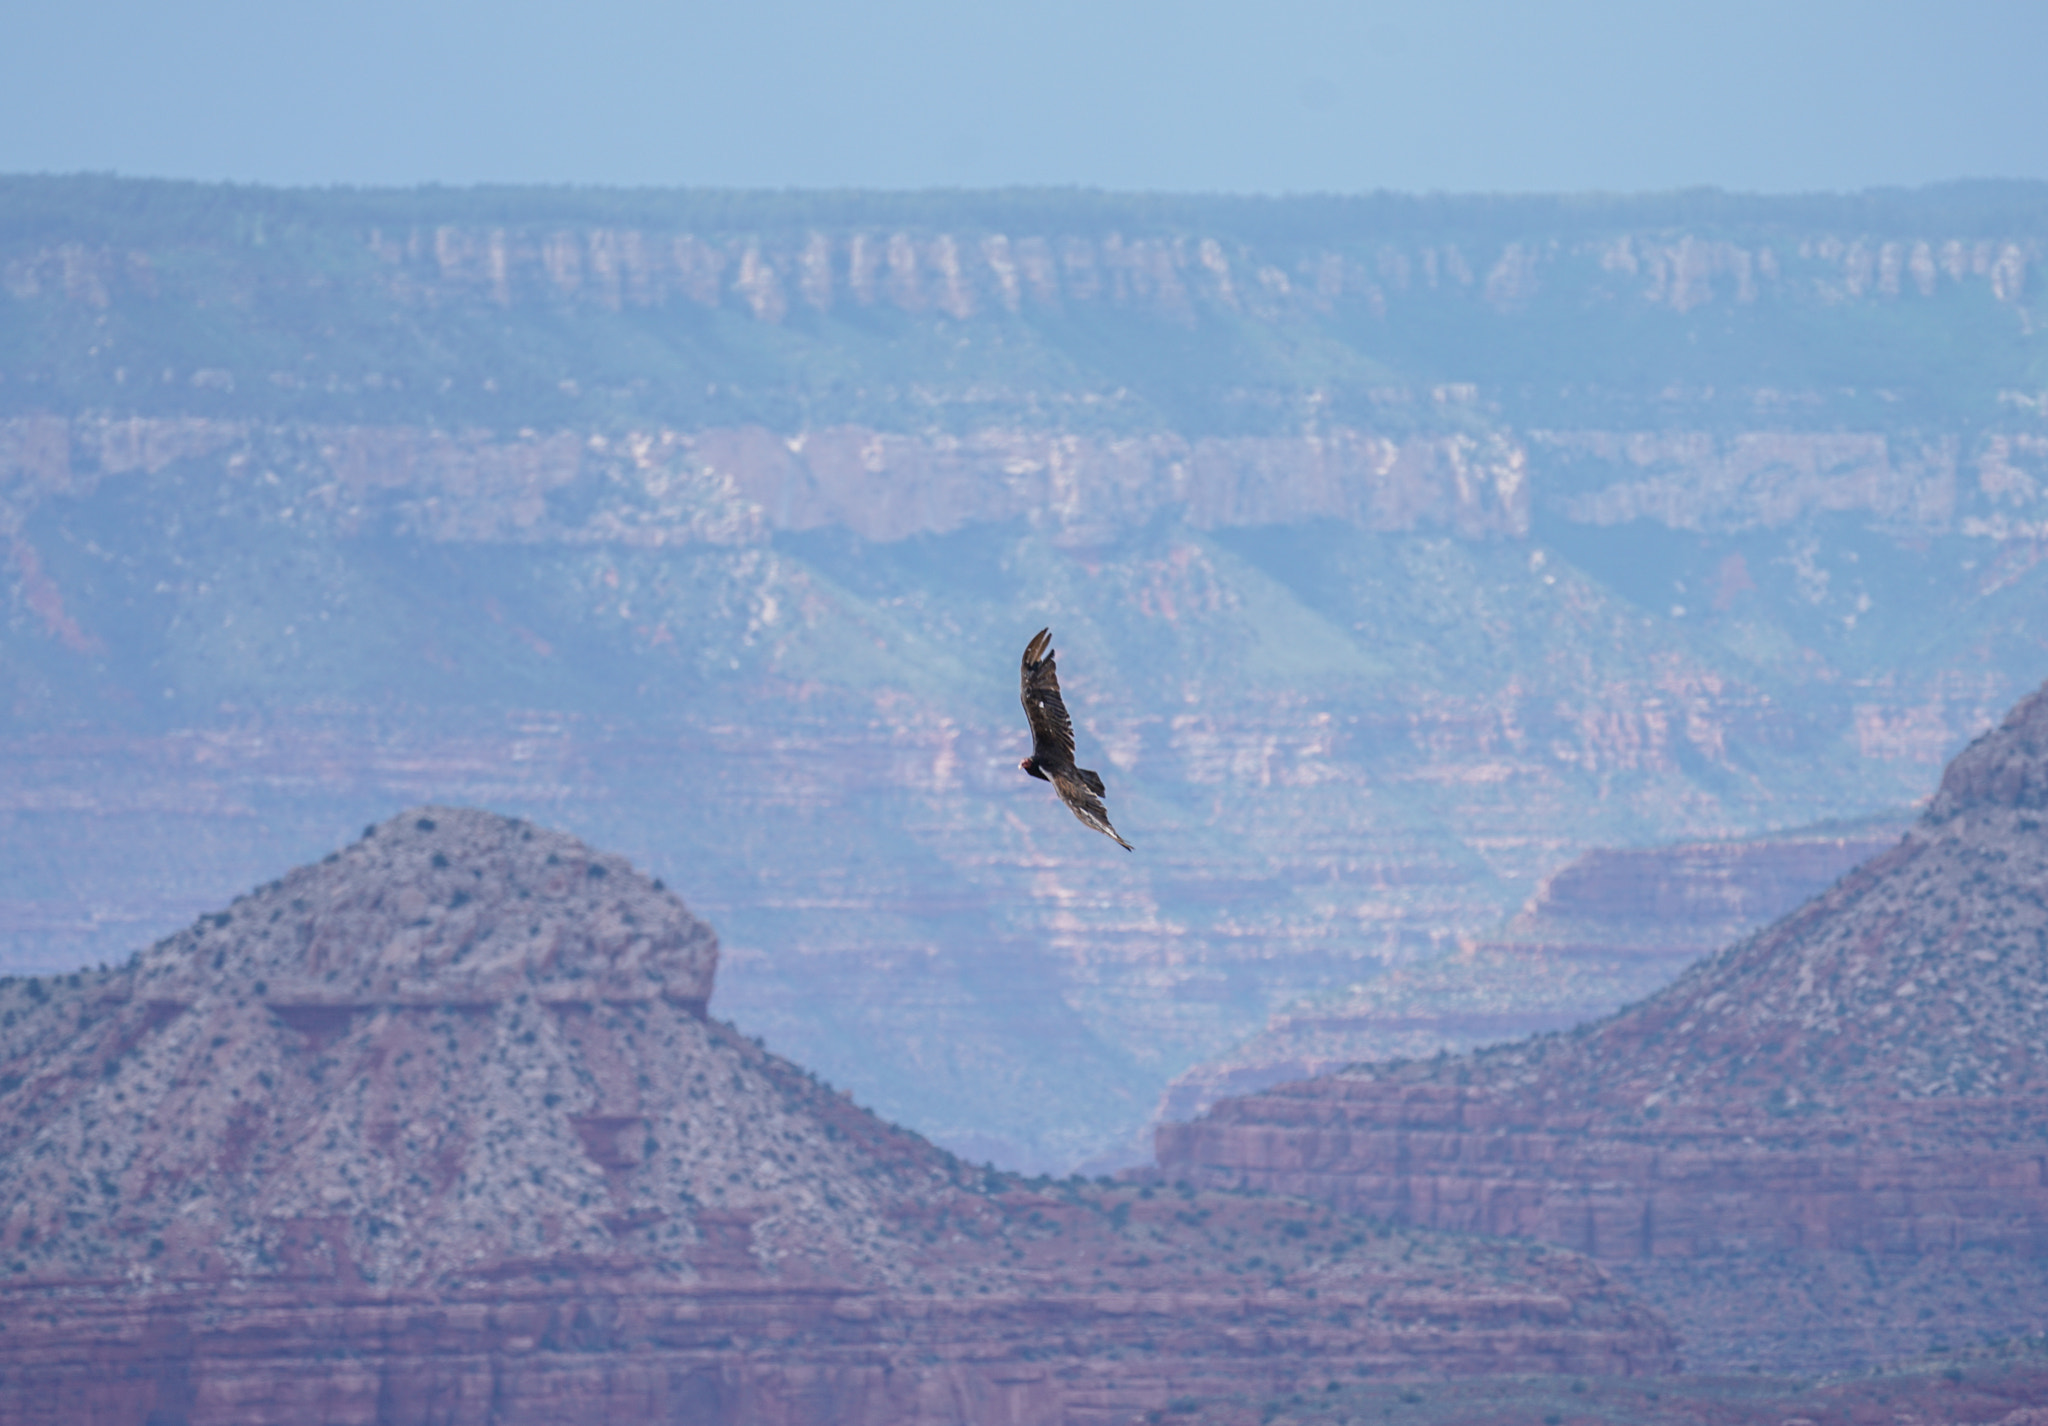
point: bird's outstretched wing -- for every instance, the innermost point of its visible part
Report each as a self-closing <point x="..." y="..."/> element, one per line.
<point x="1052" y="735"/>
<point x="1052" y="739"/>
<point x="1080" y="790"/>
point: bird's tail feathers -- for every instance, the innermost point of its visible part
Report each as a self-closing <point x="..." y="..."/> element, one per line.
<point x="1092" y="780"/>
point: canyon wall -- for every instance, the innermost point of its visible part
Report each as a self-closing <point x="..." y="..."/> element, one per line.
<point x="1861" y="1083"/>
<point x="964" y="274"/>
<point x="1399" y="553"/>
<point x="740" y="486"/>
<point x="1606" y="930"/>
<point x="1410" y="705"/>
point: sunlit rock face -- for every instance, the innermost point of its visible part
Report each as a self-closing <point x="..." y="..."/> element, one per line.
<point x="1865" y="1082"/>
<point x="438" y="1128"/>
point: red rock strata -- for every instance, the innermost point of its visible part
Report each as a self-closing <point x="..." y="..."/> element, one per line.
<point x="438" y="1131"/>
<point x="2002" y="1386"/>
<point x="1827" y="1143"/>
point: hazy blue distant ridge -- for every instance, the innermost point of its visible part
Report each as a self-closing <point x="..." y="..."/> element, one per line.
<point x="108" y="208"/>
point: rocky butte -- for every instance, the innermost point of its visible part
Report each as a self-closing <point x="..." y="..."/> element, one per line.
<point x="438" y="1130"/>
<point x="1827" y="1144"/>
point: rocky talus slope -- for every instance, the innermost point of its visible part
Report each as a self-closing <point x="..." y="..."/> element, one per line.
<point x="1825" y="1144"/>
<point x="438" y="1130"/>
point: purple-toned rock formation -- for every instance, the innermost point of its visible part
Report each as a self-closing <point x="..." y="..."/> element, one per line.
<point x="1825" y="1144"/>
<point x="437" y="1130"/>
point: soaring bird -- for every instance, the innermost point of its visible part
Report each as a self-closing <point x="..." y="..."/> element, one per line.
<point x="1052" y="740"/>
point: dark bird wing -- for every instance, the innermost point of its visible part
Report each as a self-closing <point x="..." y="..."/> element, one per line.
<point x="1080" y="789"/>
<point x="1052" y="739"/>
<point x="1052" y="735"/>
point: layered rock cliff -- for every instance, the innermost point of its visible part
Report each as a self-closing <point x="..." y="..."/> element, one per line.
<point x="1608" y="929"/>
<point x="2003" y="1385"/>
<point x="438" y="1130"/>
<point x="1064" y="311"/>
<point x="1402" y="551"/>
<point x="1692" y="897"/>
<point x="916" y="267"/>
<point x="1843" y="1114"/>
<point x="1361" y="713"/>
<point x="738" y="486"/>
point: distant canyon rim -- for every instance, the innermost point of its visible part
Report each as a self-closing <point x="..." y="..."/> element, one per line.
<point x="1400" y="552"/>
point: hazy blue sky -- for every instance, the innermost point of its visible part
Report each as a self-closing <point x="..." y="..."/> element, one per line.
<point x="1285" y="95"/>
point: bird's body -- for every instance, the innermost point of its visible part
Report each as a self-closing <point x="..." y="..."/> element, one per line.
<point x="1052" y="740"/>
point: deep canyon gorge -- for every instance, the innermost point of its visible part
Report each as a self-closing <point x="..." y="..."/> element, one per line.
<point x="1401" y="553"/>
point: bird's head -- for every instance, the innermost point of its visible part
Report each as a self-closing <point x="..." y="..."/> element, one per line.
<point x="1030" y="765"/>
